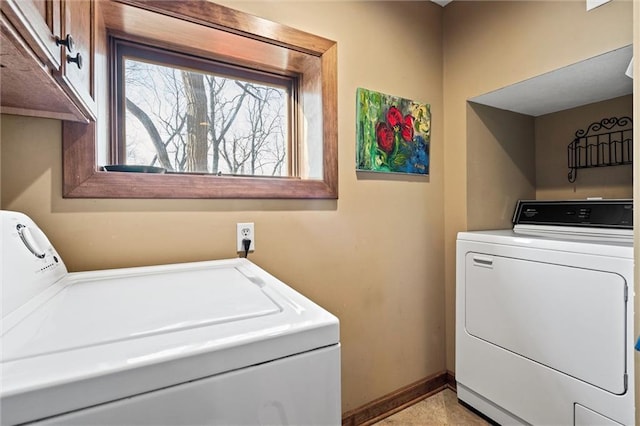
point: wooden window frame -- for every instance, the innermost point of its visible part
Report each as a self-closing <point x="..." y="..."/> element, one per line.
<point x="240" y="38"/>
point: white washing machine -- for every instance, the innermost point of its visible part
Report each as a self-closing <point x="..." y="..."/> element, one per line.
<point x="544" y="316"/>
<point x="216" y="343"/>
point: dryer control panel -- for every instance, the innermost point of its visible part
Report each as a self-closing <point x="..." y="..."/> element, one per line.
<point x="616" y="214"/>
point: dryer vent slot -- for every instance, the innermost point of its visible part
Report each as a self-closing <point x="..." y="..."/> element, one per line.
<point x="605" y="143"/>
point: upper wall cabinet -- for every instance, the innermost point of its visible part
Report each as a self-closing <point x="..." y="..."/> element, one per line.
<point x="77" y="63"/>
<point x="47" y="58"/>
<point x="41" y="19"/>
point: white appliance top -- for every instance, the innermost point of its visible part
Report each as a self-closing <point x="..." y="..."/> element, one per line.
<point x="573" y="233"/>
<point x="590" y="245"/>
<point x="91" y="337"/>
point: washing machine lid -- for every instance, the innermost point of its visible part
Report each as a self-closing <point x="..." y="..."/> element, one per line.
<point x="99" y="308"/>
<point x="98" y="336"/>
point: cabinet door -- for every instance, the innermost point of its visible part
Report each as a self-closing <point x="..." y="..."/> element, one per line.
<point x="77" y="67"/>
<point x="38" y="21"/>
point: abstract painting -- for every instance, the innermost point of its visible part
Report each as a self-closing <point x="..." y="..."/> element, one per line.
<point x="393" y="134"/>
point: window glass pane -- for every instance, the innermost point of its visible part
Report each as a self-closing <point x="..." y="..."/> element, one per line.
<point x="195" y="122"/>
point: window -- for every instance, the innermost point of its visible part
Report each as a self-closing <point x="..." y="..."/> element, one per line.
<point x="188" y="99"/>
<point x="189" y="115"/>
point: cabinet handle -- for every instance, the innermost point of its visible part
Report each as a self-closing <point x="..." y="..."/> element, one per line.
<point x="67" y="42"/>
<point x="77" y="60"/>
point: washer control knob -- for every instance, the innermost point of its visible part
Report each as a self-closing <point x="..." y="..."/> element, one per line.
<point x="30" y="240"/>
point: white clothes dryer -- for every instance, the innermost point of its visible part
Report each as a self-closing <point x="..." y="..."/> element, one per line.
<point x="544" y="316"/>
<point x="219" y="343"/>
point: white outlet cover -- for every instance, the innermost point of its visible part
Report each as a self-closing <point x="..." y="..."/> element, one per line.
<point x="240" y="235"/>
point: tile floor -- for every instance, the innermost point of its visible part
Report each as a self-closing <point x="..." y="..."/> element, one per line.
<point x="442" y="408"/>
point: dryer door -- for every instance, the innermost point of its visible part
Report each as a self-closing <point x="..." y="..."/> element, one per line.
<point x="566" y="318"/>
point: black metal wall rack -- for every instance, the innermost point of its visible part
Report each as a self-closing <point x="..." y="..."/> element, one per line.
<point x="605" y="143"/>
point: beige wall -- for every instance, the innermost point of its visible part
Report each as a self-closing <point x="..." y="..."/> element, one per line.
<point x="500" y="165"/>
<point x="525" y="157"/>
<point x="374" y="257"/>
<point x="489" y="45"/>
<point x="512" y="156"/>
<point x="555" y="131"/>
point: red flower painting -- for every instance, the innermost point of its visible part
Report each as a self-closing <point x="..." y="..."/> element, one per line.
<point x="393" y="134"/>
<point x="395" y="123"/>
<point x="400" y="123"/>
<point x="385" y="137"/>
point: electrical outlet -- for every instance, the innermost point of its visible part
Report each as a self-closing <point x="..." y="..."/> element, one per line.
<point x="245" y="230"/>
